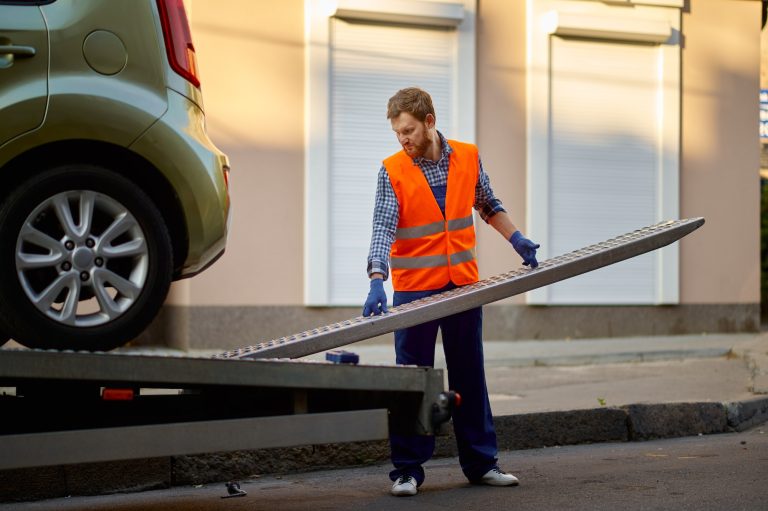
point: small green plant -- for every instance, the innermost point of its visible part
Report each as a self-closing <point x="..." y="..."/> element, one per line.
<point x="601" y="401"/>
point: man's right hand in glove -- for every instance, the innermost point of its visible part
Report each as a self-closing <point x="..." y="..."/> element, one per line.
<point x="526" y="248"/>
<point x="376" y="303"/>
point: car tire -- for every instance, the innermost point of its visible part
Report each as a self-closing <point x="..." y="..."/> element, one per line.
<point x="85" y="260"/>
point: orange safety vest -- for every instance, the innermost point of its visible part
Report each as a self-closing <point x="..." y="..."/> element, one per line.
<point x="431" y="250"/>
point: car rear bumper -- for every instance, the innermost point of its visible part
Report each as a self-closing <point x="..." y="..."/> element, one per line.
<point x="178" y="145"/>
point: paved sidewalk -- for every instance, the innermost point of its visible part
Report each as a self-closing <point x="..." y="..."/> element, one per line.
<point x="547" y="376"/>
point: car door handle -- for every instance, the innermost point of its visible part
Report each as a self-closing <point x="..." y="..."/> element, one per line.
<point x="20" y="51"/>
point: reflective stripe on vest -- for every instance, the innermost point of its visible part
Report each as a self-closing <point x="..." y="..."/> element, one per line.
<point x="431" y="261"/>
<point x="405" y="233"/>
<point x="430" y="249"/>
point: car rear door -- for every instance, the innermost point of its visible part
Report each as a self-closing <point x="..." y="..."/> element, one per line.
<point x="23" y="68"/>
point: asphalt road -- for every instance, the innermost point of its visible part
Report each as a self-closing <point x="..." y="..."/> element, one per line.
<point x="715" y="472"/>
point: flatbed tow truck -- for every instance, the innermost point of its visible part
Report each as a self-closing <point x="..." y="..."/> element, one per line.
<point x="76" y="407"/>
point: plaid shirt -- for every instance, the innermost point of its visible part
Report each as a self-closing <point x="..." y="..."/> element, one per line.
<point x="386" y="207"/>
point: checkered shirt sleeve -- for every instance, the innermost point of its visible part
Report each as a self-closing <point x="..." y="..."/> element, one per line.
<point x="385" y="218"/>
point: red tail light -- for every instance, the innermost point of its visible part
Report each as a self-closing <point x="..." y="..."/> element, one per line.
<point x="117" y="394"/>
<point x="178" y="39"/>
<point x="225" y="171"/>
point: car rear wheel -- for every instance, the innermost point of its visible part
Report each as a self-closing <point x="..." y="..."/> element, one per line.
<point x="85" y="260"/>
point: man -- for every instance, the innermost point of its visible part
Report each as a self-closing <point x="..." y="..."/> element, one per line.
<point x="423" y="232"/>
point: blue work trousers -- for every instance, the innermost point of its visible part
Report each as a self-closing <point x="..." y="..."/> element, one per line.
<point x="472" y="420"/>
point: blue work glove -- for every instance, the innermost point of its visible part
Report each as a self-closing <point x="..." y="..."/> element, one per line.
<point x="526" y="248"/>
<point x="376" y="303"/>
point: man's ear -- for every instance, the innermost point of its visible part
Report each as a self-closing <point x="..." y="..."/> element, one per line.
<point x="430" y="121"/>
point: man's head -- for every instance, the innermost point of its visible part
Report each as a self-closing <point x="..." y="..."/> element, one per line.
<point x="412" y="100"/>
<point x="412" y="116"/>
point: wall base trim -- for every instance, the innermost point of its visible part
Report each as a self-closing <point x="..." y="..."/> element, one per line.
<point x="222" y="327"/>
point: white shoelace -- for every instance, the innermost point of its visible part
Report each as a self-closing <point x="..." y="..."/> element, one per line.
<point x="406" y="479"/>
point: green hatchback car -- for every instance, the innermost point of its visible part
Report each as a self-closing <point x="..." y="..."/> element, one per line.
<point x="111" y="187"/>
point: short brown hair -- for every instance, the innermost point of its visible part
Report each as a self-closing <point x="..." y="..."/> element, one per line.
<point x="413" y="100"/>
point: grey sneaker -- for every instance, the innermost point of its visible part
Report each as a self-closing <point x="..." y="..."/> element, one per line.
<point x="496" y="477"/>
<point x="405" y="486"/>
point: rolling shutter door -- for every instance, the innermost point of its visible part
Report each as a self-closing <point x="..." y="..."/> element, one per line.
<point x="604" y="161"/>
<point x="369" y="63"/>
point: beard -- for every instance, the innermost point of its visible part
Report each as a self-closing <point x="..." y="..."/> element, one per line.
<point x="418" y="150"/>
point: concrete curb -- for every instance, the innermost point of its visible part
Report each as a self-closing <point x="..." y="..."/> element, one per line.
<point x="514" y="432"/>
<point x="747" y="414"/>
<point x="610" y="358"/>
<point x="647" y="422"/>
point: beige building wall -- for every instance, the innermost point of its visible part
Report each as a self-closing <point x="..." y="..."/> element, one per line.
<point x="721" y="152"/>
<point x="251" y="58"/>
<point x="720" y="147"/>
<point x="501" y="123"/>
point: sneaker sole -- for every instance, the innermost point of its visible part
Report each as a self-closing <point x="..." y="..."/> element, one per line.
<point x="499" y="483"/>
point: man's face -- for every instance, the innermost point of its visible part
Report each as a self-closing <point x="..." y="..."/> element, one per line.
<point x="412" y="133"/>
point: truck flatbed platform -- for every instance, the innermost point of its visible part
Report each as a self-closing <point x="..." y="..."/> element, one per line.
<point x="181" y="405"/>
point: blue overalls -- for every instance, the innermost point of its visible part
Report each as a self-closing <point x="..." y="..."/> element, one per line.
<point x="463" y="347"/>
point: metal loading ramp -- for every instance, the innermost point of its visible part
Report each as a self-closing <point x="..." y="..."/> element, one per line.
<point x="485" y="291"/>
